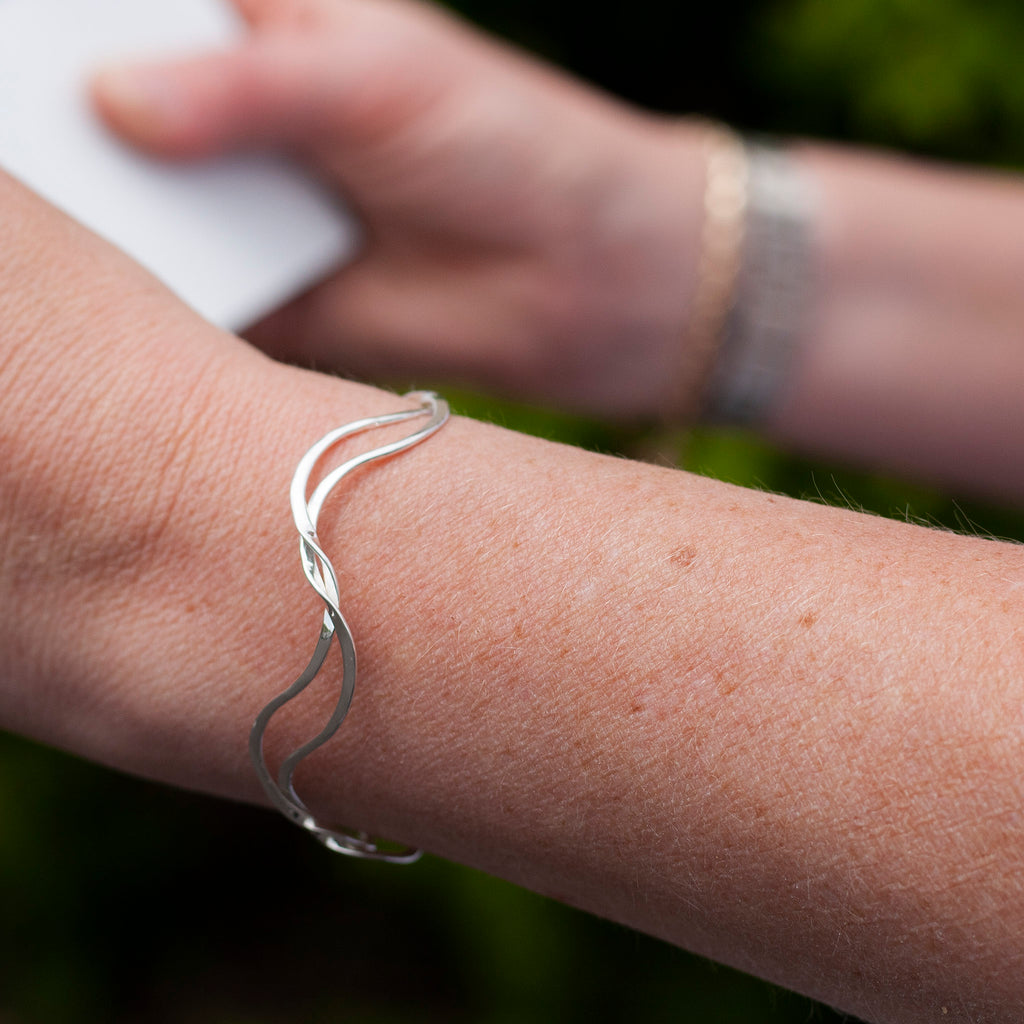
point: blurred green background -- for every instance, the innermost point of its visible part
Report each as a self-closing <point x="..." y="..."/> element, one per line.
<point x="121" y="901"/>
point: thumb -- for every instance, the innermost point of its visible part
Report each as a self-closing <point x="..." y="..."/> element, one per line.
<point x="272" y="90"/>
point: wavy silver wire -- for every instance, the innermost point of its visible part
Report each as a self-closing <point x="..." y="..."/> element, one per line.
<point x="321" y="576"/>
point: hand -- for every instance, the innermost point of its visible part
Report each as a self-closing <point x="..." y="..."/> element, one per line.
<point x="522" y="232"/>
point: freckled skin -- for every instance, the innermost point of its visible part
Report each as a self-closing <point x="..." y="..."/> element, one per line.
<point x="684" y="557"/>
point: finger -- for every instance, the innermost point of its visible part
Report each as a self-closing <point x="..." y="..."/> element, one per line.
<point x="278" y="89"/>
<point x="269" y="90"/>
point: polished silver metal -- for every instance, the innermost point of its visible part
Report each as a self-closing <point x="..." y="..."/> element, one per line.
<point x="321" y="576"/>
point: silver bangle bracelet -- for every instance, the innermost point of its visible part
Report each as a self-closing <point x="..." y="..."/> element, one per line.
<point x="321" y="576"/>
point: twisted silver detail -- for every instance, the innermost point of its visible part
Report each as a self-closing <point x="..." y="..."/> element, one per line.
<point x="321" y="576"/>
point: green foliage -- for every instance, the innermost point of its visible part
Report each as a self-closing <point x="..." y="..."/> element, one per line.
<point x="940" y="76"/>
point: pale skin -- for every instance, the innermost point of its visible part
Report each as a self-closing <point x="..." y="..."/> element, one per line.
<point x="786" y="736"/>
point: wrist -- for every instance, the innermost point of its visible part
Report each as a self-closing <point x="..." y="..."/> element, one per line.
<point x="627" y="272"/>
<point x="144" y="509"/>
<point x="223" y="618"/>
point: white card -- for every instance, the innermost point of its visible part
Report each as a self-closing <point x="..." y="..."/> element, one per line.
<point x="234" y="238"/>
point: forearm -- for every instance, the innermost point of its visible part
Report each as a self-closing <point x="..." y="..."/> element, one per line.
<point x="783" y="735"/>
<point x="909" y="351"/>
<point x="757" y="728"/>
<point x="913" y="358"/>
